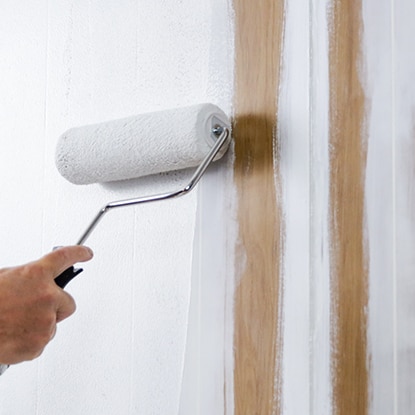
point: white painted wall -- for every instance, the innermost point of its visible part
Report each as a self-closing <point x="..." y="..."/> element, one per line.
<point x="130" y="348"/>
<point x="381" y="220"/>
<point x="293" y="132"/>
<point x="153" y="331"/>
<point x="303" y="133"/>
<point x="387" y="77"/>
<point x="390" y="198"/>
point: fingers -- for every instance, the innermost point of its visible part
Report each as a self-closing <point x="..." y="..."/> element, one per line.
<point x="53" y="333"/>
<point x="58" y="261"/>
<point x="66" y="307"/>
<point x="31" y="304"/>
<point x="54" y="264"/>
<point x="62" y="258"/>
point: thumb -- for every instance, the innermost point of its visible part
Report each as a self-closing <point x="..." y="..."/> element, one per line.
<point x="60" y="259"/>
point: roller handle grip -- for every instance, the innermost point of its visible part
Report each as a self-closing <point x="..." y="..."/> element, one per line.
<point x="66" y="276"/>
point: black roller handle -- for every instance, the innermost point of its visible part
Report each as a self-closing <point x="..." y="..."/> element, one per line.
<point x="66" y="276"/>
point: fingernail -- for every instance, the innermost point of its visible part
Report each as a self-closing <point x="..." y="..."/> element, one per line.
<point x="91" y="253"/>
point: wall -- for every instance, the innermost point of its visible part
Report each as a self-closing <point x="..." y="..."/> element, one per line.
<point x="132" y="347"/>
<point x="346" y="131"/>
<point x="324" y="299"/>
<point x="390" y="201"/>
<point x="323" y="269"/>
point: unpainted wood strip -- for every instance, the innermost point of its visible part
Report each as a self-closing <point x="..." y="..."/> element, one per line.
<point x="349" y="275"/>
<point x="258" y="38"/>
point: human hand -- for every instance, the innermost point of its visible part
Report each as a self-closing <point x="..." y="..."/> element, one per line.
<point x="31" y="304"/>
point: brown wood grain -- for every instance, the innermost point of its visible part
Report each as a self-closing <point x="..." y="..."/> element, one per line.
<point x="347" y="172"/>
<point x="258" y="37"/>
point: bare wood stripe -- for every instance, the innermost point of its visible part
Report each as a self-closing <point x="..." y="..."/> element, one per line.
<point x="258" y="42"/>
<point x="348" y="262"/>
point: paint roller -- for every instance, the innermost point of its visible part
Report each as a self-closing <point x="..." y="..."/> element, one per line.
<point x="138" y="146"/>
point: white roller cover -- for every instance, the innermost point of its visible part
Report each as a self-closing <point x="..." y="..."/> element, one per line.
<point x="138" y="146"/>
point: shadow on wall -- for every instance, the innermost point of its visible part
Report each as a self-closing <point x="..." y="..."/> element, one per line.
<point x="254" y="146"/>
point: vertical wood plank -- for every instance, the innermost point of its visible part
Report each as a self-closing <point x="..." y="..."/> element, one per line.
<point x="257" y="48"/>
<point x="347" y="164"/>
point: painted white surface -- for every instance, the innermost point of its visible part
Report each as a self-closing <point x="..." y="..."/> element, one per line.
<point x="387" y="76"/>
<point x="390" y="71"/>
<point x="294" y="136"/>
<point x="403" y="16"/>
<point x="320" y="347"/>
<point x="303" y="134"/>
<point x="380" y="188"/>
<point x="207" y="386"/>
<point x="68" y="63"/>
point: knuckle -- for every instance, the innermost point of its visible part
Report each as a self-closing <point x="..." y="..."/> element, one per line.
<point x="35" y="351"/>
<point x="41" y="338"/>
<point x="70" y="308"/>
<point x="66" y="310"/>
<point x="47" y="324"/>
<point x="30" y="347"/>
<point x="48" y="296"/>
<point x="38" y="344"/>
<point x="33" y="270"/>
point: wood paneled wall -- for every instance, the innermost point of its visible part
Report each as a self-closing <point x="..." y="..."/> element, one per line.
<point x="324" y="141"/>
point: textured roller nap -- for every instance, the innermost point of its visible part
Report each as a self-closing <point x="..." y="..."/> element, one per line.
<point x="138" y="146"/>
